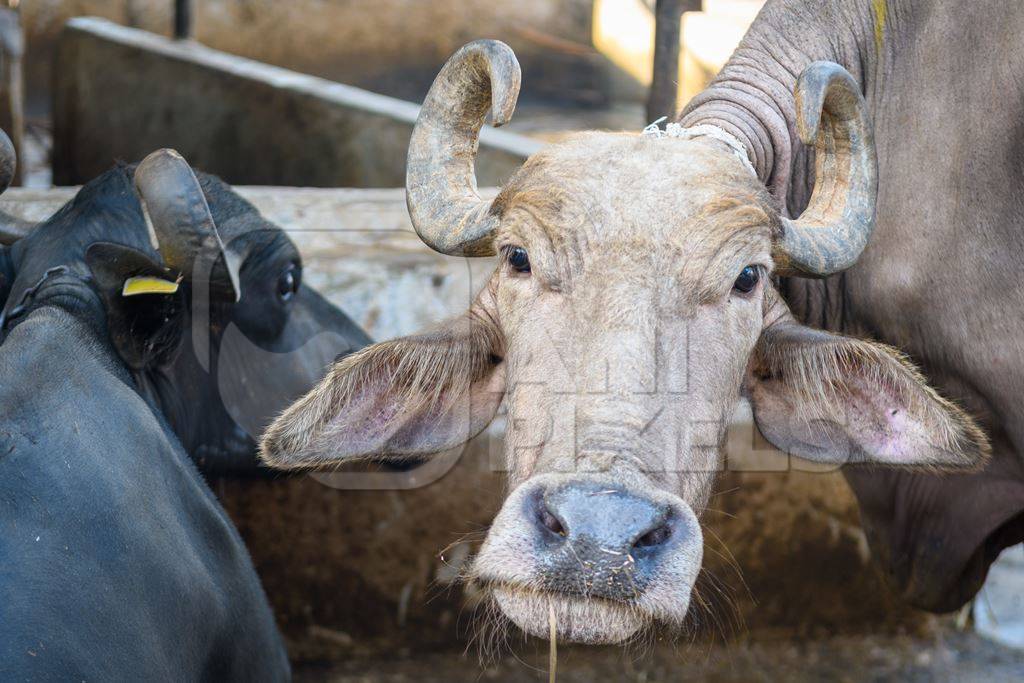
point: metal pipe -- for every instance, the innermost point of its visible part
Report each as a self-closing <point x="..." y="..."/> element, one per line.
<point x="661" y="100"/>
<point x="183" y="16"/>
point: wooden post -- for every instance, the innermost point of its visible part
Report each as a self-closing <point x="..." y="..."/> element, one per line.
<point x="665" y="77"/>
<point x="12" y="101"/>
<point x="183" y="19"/>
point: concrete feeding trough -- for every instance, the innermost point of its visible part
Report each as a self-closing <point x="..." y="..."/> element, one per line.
<point x="120" y="93"/>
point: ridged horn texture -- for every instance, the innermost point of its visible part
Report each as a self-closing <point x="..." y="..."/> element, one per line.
<point x="832" y="232"/>
<point x="440" y="181"/>
<point x="187" y="237"/>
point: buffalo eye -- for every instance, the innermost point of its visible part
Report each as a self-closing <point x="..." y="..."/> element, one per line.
<point x="519" y="260"/>
<point x="288" y="283"/>
<point x="747" y="280"/>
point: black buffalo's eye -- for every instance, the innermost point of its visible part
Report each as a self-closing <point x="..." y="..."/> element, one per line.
<point x="288" y="283"/>
<point x="519" y="260"/>
<point x="747" y="280"/>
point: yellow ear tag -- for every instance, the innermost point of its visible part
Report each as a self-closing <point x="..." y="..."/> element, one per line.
<point x="134" y="286"/>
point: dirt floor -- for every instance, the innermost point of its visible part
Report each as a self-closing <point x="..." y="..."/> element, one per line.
<point x="947" y="656"/>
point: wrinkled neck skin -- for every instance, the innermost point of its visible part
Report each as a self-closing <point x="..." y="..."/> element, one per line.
<point x="752" y="99"/>
<point x="79" y="309"/>
<point x="752" y="96"/>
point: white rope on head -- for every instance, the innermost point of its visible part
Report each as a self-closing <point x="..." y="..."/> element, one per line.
<point x="674" y="130"/>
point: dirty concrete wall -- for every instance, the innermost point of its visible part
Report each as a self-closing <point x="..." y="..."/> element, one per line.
<point x="121" y="93"/>
<point x="353" y="572"/>
<point x="389" y="46"/>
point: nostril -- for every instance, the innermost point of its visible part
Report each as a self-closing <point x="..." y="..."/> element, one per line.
<point x="656" y="536"/>
<point x="549" y="521"/>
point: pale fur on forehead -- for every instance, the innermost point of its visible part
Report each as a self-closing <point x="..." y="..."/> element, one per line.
<point x="593" y="193"/>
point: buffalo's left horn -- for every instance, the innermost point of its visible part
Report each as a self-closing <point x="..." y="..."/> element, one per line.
<point x="832" y="232"/>
<point x="440" y="179"/>
<point x="187" y="237"/>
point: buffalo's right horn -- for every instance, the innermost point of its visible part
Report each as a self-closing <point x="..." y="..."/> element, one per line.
<point x="186" y="235"/>
<point x="446" y="210"/>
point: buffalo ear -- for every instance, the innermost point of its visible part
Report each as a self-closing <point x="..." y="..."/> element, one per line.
<point x="145" y="306"/>
<point x="836" y="399"/>
<point x="408" y="397"/>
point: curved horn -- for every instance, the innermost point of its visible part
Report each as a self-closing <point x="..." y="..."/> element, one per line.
<point x="832" y="232"/>
<point x="187" y="237"/>
<point x="446" y="210"/>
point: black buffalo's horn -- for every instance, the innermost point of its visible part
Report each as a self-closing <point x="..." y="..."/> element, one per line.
<point x="186" y="235"/>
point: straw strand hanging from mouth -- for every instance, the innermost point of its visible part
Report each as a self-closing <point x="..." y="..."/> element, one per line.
<point x="553" y="640"/>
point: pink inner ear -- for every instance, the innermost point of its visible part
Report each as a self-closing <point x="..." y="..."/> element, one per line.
<point x="862" y="420"/>
<point x="890" y="440"/>
<point x="361" y="428"/>
<point x="880" y="422"/>
<point x="375" y="422"/>
<point x="838" y="399"/>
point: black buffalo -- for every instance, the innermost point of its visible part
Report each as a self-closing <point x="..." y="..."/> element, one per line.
<point x="116" y="560"/>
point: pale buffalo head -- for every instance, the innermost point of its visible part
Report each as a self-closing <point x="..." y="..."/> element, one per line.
<point x="632" y="308"/>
